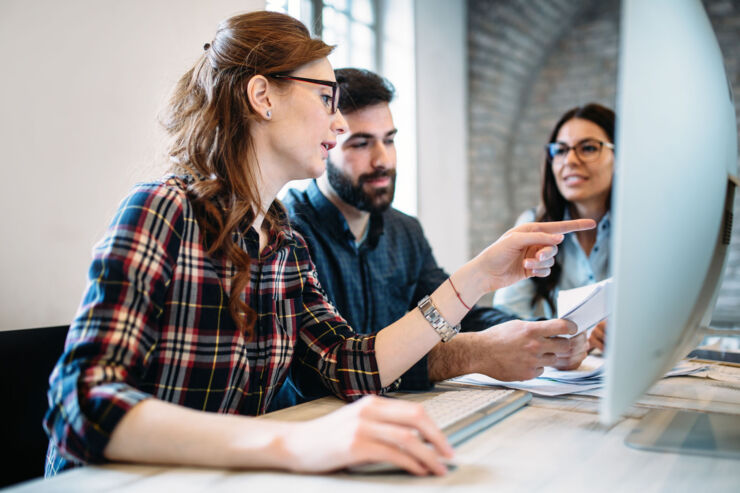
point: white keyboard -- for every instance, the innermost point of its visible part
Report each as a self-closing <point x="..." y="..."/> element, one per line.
<point x="452" y="406"/>
<point x="461" y="414"/>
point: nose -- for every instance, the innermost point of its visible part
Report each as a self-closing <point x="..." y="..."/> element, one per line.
<point x="339" y="124"/>
<point x="381" y="156"/>
<point x="571" y="157"/>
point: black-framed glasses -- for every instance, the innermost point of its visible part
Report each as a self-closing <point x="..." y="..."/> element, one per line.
<point x="329" y="83"/>
<point x="587" y="150"/>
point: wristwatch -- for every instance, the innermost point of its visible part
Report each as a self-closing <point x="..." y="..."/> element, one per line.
<point x="436" y="320"/>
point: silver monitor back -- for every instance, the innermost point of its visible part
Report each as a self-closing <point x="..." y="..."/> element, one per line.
<point x="676" y="145"/>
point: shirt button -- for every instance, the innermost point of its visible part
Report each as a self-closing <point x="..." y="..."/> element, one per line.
<point x="596" y="249"/>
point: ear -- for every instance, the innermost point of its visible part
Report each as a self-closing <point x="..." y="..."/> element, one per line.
<point x="260" y="92"/>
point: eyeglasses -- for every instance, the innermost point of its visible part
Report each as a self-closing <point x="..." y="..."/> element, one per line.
<point x="587" y="150"/>
<point x="332" y="104"/>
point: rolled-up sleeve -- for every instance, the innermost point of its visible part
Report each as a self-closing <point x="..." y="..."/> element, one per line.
<point x="96" y="381"/>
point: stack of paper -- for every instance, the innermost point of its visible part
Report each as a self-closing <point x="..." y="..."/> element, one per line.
<point x="552" y="382"/>
<point x="587" y="377"/>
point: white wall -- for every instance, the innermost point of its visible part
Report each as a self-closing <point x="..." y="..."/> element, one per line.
<point x="82" y="82"/>
<point x="441" y="84"/>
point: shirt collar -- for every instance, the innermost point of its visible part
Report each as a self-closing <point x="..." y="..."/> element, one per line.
<point x="336" y="222"/>
<point x="246" y="236"/>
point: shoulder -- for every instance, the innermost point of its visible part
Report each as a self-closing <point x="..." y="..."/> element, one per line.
<point x="299" y="209"/>
<point x="157" y="204"/>
<point x="526" y="217"/>
<point x="296" y="202"/>
<point x="397" y="220"/>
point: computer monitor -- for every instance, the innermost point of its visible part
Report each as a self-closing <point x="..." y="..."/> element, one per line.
<point x="676" y="152"/>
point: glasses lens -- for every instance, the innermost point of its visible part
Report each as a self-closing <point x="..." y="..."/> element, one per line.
<point x="589" y="150"/>
<point x="556" y="150"/>
<point x="334" y="98"/>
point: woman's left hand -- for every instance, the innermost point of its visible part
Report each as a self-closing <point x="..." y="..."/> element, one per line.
<point x="598" y="337"/>
<point x="573" y="358"/>
<point x="524" y="251"/>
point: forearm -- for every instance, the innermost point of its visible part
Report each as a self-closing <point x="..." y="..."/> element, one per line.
<point x="453" y="358"/>
<point x="404" y="342"/>
<point x="159" y="432"/>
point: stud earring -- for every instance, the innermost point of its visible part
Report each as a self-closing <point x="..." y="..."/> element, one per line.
<point x="268" y="115"/>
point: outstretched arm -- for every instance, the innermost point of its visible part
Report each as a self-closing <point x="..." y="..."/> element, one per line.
<point x="524" y="251"/>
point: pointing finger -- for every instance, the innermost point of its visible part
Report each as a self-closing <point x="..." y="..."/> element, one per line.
<point x="556" y="227"/>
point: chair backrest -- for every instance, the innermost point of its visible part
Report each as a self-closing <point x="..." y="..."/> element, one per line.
<point x="27" y="357"/>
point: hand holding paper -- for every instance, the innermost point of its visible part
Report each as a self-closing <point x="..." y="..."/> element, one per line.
<point x="586" y="306"/>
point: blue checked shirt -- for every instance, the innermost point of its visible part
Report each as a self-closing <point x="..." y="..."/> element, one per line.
<point x="375" y="283"/>
<point x="154" y="323"/>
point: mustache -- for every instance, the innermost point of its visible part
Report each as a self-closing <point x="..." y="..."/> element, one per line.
<point x="381" y="173"/>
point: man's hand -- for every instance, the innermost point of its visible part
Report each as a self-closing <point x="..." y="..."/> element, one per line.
<point x="514" y="350"/>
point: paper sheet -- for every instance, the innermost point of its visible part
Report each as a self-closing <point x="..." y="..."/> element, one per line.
<point x="586" y="306"/>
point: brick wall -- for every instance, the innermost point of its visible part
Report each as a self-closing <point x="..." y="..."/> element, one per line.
<point x="528" y="62"/>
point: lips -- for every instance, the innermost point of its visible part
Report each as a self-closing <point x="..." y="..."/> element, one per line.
<point x="326" y="146"/>
<point x="382" y="181"/>
<point x="574" y="179"/>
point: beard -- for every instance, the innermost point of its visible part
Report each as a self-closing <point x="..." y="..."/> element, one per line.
<point x="376" y="200"/>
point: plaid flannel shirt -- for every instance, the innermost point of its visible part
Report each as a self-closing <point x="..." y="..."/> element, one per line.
<point x="154" y="322"/>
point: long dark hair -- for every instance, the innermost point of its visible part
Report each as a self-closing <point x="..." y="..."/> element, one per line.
<point x="553" y="204"/>
<point x="208" y="119"/>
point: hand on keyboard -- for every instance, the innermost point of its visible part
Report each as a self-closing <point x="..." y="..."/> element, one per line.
<point x="371" y="430"/>
<point x="461" y="414"/>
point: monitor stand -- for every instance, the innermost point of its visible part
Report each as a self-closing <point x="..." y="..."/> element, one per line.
<point x="688" y="432"/>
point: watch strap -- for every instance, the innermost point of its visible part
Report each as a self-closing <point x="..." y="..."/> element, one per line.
<point x="436" y="320"/>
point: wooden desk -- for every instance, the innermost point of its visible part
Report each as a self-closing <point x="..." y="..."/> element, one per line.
<point x="554" y="444"/>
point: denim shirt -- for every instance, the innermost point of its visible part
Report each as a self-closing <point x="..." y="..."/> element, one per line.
<point x="578" y="269"/>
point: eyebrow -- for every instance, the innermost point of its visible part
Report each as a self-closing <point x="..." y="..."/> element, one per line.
<point x="365" y="135"/>
<point x="580" y="141"/>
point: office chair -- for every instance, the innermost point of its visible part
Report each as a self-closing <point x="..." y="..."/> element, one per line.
<point x="27" y="357"/>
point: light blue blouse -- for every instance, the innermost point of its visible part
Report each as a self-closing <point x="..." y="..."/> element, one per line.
<point x="578" y="270"/>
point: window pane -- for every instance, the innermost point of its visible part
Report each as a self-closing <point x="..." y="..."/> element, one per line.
<point x="362" y="11"/>
<point x="300" y="9"/>
<point x="277" y="6"/>
<point x="337" y="4"/>
<point x="363" y="46"/>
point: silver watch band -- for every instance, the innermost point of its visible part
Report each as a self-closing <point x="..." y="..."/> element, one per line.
<point x="436" y="320"/>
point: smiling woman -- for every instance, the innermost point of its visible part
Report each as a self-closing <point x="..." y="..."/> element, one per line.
<point x="577" y="182"/>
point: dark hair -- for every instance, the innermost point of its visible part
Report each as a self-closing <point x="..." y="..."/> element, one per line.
<point x="208" y="119"/>
<point x="359" y="88"/>
<point x="553" y="204"/>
